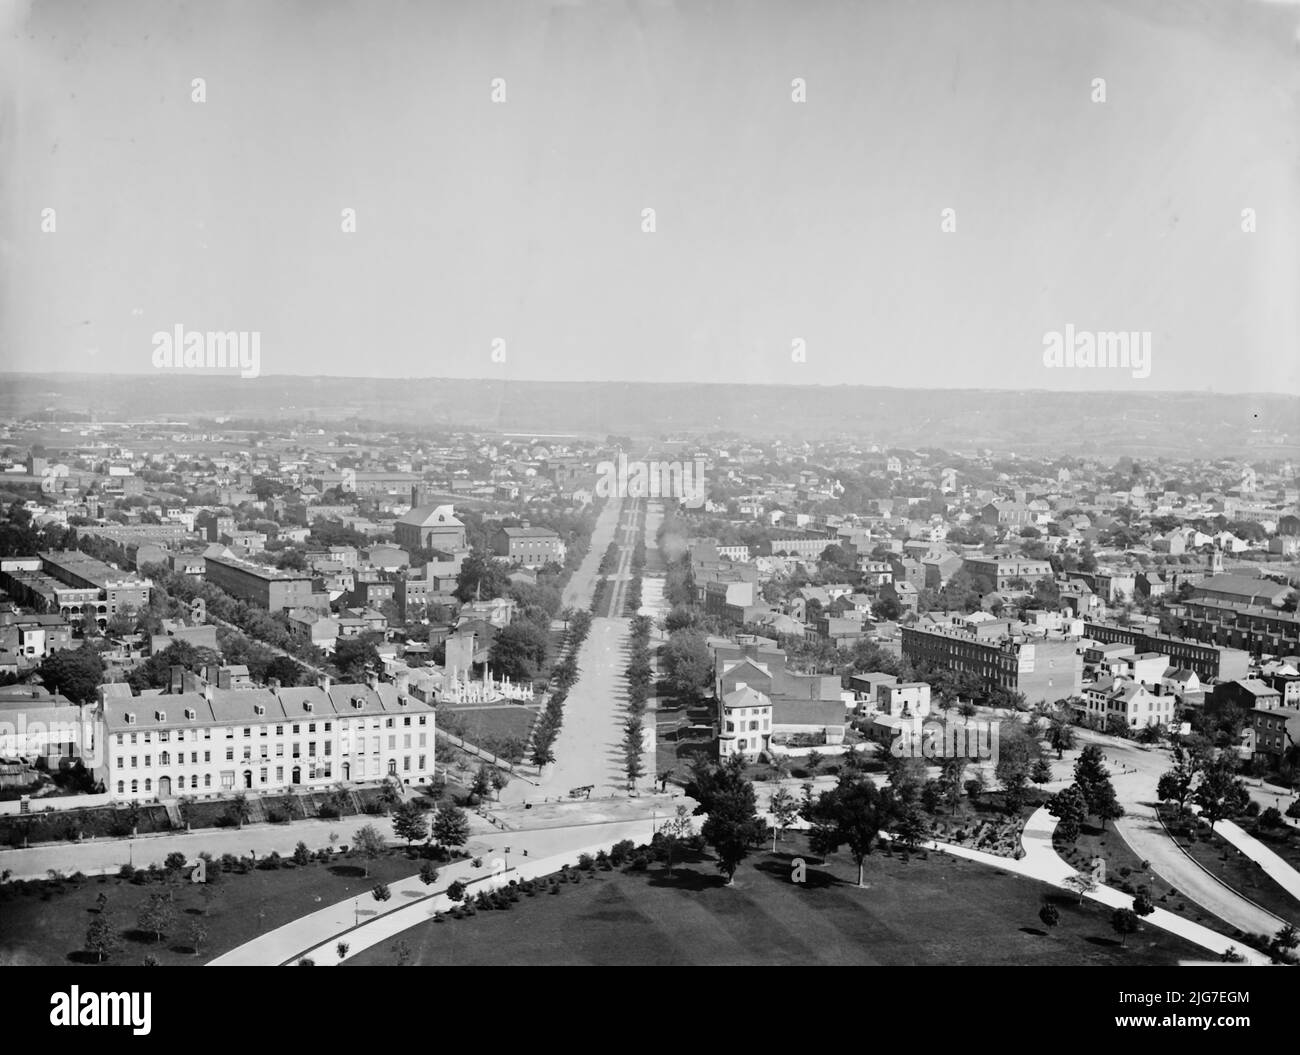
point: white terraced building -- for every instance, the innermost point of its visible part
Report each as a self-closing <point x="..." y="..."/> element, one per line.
<point x="220" y="741"/>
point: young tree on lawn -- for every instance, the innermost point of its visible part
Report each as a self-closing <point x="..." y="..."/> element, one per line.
<point x="1125" y="922"/>
<point x="342" y="949"/>
<point x="784" y="810"/>
<point x="500" y="781"/>
<point x="428" y="873"/>
<point x="409" y="823"/>
<point x="852" y="813"/>
<point x="370" y="843"/>
<point x="456" y="892"/>
<point x="1142" y="903"/>
<point x="157" y="914"/>
<point x="482" y="785"/>
<point x="197" y="936"/>
<point x="1220" y="794"/>
<point x="1069" y="806"/>
<point x="450" y="826"/>
<point x="673" y="831"/>
<point x="1083" y="882"/>
<point x="1049" y="914"/>
<point x="101" y="938"/>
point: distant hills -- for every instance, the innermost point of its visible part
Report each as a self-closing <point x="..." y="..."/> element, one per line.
<point x="1106" y="424"/>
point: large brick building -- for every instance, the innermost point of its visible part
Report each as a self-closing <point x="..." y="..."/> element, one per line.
<point x="1253" y="627"/>
<point x="533" y="547"/>
<point x="1211" y="662"/>
<point x="430" y="527"/>
<point x="1043" y="670"/>
<point x="219" y="741"/>
<point x="266" y="587"/>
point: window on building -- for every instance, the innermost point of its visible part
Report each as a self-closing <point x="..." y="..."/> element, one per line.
<point x="121" y="786"/>
<point x="148" y="785"/>
<point x="207" y="780"/>
<point x="135" y="786"/>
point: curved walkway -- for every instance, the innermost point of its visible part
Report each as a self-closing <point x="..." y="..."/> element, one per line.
<point x="1042" y="862"/>
<point x="363" y="922"/>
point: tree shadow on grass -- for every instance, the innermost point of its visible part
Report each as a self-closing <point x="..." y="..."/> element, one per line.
<point x="1034" y="931"/>
<point x="81" y="956"/>
<point x="814" y="879"/>
<point x="686" y="879"/>
<point x="348" y="871"/>
<point x="1109" y="943"/>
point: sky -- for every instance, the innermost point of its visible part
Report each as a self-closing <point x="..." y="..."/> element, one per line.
<point x="793" y="242"/>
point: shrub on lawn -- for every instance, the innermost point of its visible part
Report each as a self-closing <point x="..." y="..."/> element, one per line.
<point x="380" y="892"/>
<point x="621" y="851"/>
<point x="126" y="872"/>
<point x="271" y="862"/>
<point x="586" y="862"/>
<point x="301" y="855"/>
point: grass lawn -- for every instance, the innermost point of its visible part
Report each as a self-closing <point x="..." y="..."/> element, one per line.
<point x="1224" y="861"/>
<point x="45" y="924"/>
<point x="490" y="723"/>
<point x="937" y="910"/>
<point x="1285" y="842"/>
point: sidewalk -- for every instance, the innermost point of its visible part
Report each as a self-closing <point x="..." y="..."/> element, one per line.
<point x="1276" y="868"/>
<point x="1042" y="862"/>
<point x="363" y="922"/>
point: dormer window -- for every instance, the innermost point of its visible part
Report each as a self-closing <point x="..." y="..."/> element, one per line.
<point x="307" y="705"/>
<point x="160" y="715"/>
<point x="191" y="713"/>
<point x="259" y="708"/>
<point x="130" y="719"/>
<point x="401" y="701"/>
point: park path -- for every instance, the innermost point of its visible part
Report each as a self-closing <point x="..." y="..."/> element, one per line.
<point x="1042" y="862"/>
<point x="1135" y="772"/>
<point x="363" y="922"/>
<point x="1274" y="866"/>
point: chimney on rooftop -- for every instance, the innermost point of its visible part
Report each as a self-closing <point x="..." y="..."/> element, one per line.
<point x="323" y="682"/>
<point x="177" y="683"/>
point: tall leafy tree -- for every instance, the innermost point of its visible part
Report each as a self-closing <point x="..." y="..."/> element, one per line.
<point x="1220" y="794"/>
<point x="450" y="825"/>
<point x="74" y="672"/>
<point x="1071" y="808"/>
<point x="852" y="813"/>
<point x="409" y="823"/>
